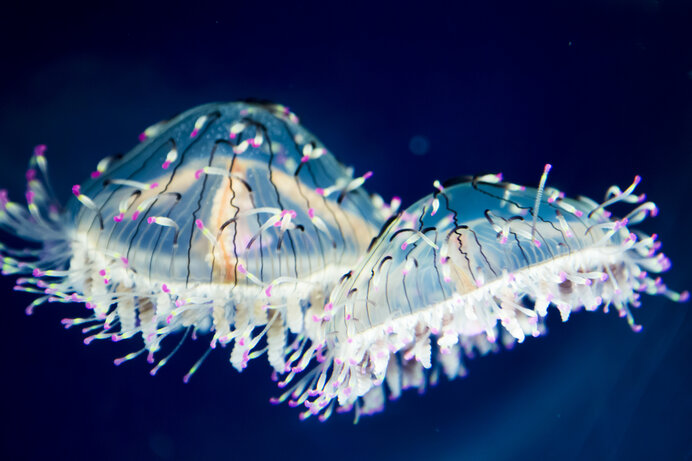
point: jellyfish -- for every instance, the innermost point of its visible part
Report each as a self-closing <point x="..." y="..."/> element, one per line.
<point x="233" y="222"/>
<point x="470" y="269"/>
<point x="230" y="219"/>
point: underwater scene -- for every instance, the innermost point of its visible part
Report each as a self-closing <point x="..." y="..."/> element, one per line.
<point x="288" y="232"/>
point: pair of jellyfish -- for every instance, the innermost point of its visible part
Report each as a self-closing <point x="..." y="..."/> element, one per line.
<point x="234" y="222"/>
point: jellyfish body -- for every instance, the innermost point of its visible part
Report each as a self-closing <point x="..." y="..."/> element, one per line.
<point x="227" y="218"/>
<point x="475" y="264"/>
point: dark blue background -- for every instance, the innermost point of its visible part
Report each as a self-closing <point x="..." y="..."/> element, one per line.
<point x="601" y="89"/>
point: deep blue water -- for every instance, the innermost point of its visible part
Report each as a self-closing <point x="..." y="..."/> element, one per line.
<point x="602" y="90"/>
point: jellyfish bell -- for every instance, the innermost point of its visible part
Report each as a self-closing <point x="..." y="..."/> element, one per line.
<point x="471" y="267"/>
<point x="229" y="218"/>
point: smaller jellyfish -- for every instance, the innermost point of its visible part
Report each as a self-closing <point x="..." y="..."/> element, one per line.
<point x="229" y="218"/>
<point x="471" y="267"/>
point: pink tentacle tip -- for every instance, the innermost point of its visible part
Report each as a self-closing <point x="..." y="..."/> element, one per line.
<point x="305" y="158"/>
<point x="142" y="136"/>
<point x="40" y="150"/>
<point x="268" y="291"/>
<point x="135" y="215"/>
<point x="165" y="288"/>
<point x="194" y="133"/>
<point x="319" y="191"/>
<point x="153" y="185"/>
<point x="166" y="164"/>
<point x="198" y="173"/>
<point x="199" y="224"/>
<point x="30" y="174"/>
<point x="368" y="175"/>
<point x="95" y="174"/>
<point x="119" y="217"/>
<point x="76" y="190"/>
<point x="684" y="296"/>
<point x="151" y="219"/>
